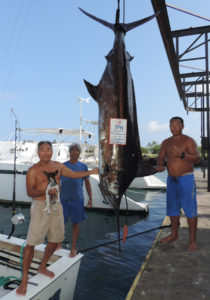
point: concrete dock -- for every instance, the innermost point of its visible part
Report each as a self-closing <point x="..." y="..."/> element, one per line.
<point x="170" y="272"/>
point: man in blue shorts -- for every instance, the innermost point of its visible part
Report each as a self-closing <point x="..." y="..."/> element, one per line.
<point x="180" y="152"/>
<point x="71" y="195"/>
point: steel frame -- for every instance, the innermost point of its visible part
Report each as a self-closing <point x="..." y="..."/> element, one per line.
<point x="193" y="87"/>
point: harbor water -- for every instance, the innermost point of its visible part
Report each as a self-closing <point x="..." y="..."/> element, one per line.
<point x="105" y="273"/>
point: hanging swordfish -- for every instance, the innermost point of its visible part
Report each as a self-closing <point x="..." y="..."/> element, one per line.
<point x="120" y="157"/>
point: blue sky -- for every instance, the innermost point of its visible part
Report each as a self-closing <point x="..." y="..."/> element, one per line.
<point x="47" y="48"/>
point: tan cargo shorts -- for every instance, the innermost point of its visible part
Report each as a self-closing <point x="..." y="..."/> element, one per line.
<point x="43" y="224"/>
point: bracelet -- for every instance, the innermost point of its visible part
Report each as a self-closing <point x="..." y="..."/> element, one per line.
<point x="182" y="155"/>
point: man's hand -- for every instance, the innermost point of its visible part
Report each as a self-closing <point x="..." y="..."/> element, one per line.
<point x="160" y="168"/>
<point x="90" y="203"/>
<point x="95" y="171"/>
<point x="53" y="193"/>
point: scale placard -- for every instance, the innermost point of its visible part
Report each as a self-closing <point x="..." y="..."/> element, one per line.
<point x="118" y="131"/>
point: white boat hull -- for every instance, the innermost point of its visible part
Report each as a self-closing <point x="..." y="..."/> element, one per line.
<point x="6" y="193"/>
<point x="42" y="287"/>
<point x="148" y="182"/>
<point x="27" y="156"/>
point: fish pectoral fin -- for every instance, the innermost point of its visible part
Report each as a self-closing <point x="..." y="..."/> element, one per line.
<point x="92" y="89"/>
<point x="145" y="169"/>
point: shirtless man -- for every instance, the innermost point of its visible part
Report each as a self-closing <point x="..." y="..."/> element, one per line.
<point x="42" y="222"/>
<point x="180" y="152"/>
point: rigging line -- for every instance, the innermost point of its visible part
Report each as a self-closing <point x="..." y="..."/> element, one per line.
<point x="117" y="240"/>
<point x="5" y="29"/>
<point x="13" y="28"/>
<point x="15" y="52"/>
<point x="123" y="11"/>
<point x="187" y="12"/>
<point x="190" y="67"/>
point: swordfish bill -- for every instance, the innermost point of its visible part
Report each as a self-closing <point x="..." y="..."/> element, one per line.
<point x="120" y="157"/>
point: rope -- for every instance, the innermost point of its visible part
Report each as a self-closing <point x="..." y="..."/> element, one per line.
<point x="187" y="12"/>
<point x="117" y="240"/>
<point x="5" y="281"/>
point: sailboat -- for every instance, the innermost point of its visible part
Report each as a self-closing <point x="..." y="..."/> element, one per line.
<point x="27" y="156"/>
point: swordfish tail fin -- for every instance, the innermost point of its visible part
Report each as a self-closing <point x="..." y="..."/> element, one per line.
<point x="105" y="23"/>
<point x="145" y="169"/>
<point x="130" y="26"/>
<point x="120" y="26"/>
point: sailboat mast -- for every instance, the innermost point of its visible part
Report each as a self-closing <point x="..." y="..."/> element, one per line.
<point x="14" y="181"/>
<point x="80" y="127"/>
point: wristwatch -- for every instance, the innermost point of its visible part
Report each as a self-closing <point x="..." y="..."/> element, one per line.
<point x="182" y="155"/>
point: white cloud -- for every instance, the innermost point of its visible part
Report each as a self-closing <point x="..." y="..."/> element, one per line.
<point x="154" y="126"/>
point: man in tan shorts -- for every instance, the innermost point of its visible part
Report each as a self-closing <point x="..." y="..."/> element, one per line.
<point x="42" y="223"/>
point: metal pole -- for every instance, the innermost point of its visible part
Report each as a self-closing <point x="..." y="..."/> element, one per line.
<point x="14" y="181"/>
<point x="80" y="127"/>
<point x="207" y="105"/>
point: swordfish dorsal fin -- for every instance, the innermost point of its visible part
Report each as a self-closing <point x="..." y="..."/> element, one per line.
<point x="120" y="26"/>
<point x="92" y="89"/>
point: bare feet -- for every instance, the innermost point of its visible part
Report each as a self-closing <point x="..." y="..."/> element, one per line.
<point x="46" y="272"/>
<point x="192" y="246"/>
<point x="170" y="238"/>
<point x="22" y="289"/>
<point x="73" y="253"/>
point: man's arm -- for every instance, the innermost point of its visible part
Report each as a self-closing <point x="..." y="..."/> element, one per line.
<point x="192" y="155"/>
<point x="161" y="158"/>
<point x="80" y="174"/>
<point x="89" y="191"/>
<point x="31" y="185"/>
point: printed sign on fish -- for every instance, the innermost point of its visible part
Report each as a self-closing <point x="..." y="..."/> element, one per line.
<point x="118" y="131"/>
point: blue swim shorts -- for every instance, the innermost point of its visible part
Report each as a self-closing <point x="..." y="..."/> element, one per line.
<point x="75" y="210"/>
<point x="181" y="193"/>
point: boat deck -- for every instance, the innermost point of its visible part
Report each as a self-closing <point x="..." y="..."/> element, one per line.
<point x="10" y="262"/>
<point x="172" y="272"/>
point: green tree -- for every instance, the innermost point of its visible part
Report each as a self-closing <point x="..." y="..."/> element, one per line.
<point x="153" y="147"/>
<point x="144" y="150"/>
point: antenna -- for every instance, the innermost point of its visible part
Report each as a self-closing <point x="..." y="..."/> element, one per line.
<point x="17" y="127"/>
